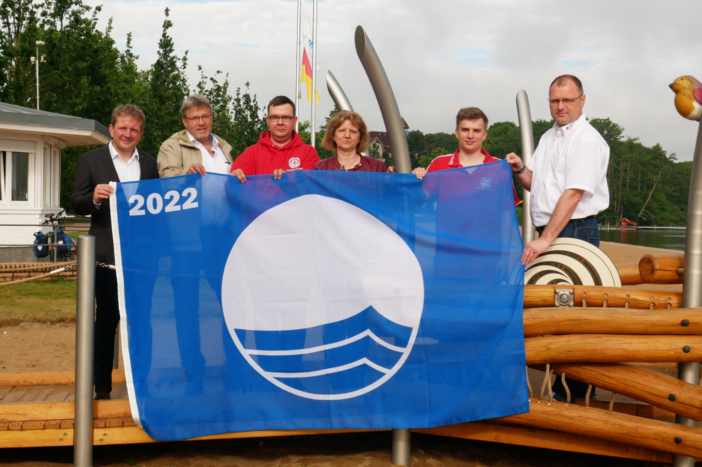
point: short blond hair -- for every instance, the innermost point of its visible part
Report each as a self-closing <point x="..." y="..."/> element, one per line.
<point x="129" y="110"/>
<point x="336" y="121"/>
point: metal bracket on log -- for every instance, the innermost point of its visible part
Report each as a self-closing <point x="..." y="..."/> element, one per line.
<point x="564" y="297"/>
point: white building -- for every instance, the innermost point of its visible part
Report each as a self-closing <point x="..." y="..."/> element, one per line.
<point x="30" y="169"/>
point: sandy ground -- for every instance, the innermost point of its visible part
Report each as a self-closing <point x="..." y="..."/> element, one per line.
<point x="39" y="347"/>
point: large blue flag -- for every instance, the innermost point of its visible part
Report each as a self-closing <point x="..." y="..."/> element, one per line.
<point x="321" y="300"/>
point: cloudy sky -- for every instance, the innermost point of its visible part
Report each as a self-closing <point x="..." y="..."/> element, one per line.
<point x="441" y="55"/>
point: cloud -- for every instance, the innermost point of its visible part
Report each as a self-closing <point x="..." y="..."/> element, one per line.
<point x="444" y="55"/>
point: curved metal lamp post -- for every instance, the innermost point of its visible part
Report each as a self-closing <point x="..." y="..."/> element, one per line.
<point x="692" y="285"/>
<point x="339" y="97"/>
<point x="401" y="158"/>
<point x="386" y="101"/>
<point x="527" y="133"/>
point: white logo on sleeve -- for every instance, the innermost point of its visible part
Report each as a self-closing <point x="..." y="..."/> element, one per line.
<point x="322" y="299"/>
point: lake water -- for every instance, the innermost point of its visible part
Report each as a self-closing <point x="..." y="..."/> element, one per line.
<point x="669" y="239"/>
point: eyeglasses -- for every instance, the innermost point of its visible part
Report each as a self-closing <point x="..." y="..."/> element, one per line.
<point x="276" y="118"/>
<point x="201" y="117"/>
<point x="566" y="102"/>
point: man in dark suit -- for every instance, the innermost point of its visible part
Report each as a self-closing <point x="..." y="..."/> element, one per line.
<point x="119" y="161"/>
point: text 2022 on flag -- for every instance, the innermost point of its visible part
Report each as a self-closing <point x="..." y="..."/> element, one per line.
<point x="322" y="300"/>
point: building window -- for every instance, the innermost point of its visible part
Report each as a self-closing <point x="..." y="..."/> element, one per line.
<point x="20" y="176"/>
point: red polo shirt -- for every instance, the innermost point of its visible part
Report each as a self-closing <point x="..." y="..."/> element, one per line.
<point x="264" y="157"/>
<point x="451" y="161"/>
<point x="367" y="164"/>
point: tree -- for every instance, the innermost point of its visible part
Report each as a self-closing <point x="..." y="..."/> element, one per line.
<point x="249" y="121"/>
<point x="19" y="25"/>
<point x="168" y="88"/>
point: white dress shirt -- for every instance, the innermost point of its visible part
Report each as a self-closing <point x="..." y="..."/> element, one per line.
<point x="129" y="171"/>
<point x="213" y="164"/>
<point x="572" y="156"/>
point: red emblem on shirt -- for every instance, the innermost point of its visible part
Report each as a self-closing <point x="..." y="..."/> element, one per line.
<point x="294" y="162"/>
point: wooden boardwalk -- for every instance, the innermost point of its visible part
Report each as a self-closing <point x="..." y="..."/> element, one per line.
<point x="37" y="410"/>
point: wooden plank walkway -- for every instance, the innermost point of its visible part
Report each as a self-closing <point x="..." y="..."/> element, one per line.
<point x="37" y="412"/>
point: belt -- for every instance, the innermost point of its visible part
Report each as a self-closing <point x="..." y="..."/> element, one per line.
<point x="541" y="229"/>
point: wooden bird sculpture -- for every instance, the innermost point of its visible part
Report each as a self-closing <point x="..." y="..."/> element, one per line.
<point x="688" y="97"/>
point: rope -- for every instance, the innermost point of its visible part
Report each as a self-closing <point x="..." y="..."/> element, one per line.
<point x="56" y="271"/>
<point x="543" y="385"/>
<point x="550" y="391"/>
<point x="565" y="385"/>
<point x="611" y="402"/>
<point x="587" y="395"/>
<point x="34" y="268"/>
<point x="531" y="394"/>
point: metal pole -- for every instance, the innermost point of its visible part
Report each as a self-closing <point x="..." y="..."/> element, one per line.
<point x="527" y="133"/>
<point x="297" y="67"/>
<point x="401" y="158"/>
<point x="337" y="94"/>
<point x="339" y="97"/>
<point x="386" y="101"/>
<point x="401" y="446"/>
<point x="85" y="323"/>
<point x="692" y="284"/>
<point x="313" y="119"/>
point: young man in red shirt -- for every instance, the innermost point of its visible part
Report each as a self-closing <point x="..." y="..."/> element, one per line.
<point x="278" y="150"/>
<point x="471" y="131"/>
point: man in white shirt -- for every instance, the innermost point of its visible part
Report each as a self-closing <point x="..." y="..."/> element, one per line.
<point x="195" y="149"/>
<point x="119" y="161"/>
<point x="567" y="176"/>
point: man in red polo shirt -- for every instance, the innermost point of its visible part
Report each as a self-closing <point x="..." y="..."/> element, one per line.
<point x="278" y="150"/>
<point x="471" y="131"/>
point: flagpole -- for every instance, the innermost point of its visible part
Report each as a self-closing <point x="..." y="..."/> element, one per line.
<point x="314" y="74"/>
<point x="297" y="66"/>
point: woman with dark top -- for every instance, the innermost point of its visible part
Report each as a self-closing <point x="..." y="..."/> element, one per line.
<point x="348" y="136"/>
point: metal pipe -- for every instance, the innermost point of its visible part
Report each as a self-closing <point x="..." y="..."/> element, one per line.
<point x="401" y="446"/>
<point x="313" y="119"/>
<point x="340" y="100"/>
<point x="85" y="324"/>
<point x="527" y="134"/>
<point x="692" y="284"/>
<point x="386" y="101"/>
<point x="298" y="75"/>
<point x="337" y="94"/>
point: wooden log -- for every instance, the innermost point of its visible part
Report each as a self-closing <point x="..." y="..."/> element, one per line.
<point x="546" y="439"/>
<point x="629" y="274"/>
<point x="62" y="410"/>
<point x="543" y="296"/>
<point x="612" y="348"/>
<point x="644" y="385"/>
<point x="59" y="378"/>
<point x="565" y="320"/>
<point x="657" y="269"/>
<point x="602" y="424"/>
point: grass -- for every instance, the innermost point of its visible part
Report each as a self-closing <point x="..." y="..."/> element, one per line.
<point x="38" y="302"/>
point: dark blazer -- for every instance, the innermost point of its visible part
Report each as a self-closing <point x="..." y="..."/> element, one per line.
<point x="96" y="167"/>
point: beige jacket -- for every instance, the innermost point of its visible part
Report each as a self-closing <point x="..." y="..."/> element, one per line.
<point x="177" y="154"/>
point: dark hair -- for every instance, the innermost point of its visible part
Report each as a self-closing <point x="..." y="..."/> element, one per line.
<point x="471" y="113"/>
<point x="280" y="100"/>
<point x="336" y="121"/>
<point x="129" y="110"/>
<point x="563" y="80"/>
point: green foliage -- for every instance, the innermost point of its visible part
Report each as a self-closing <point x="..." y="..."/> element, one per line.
<point x="168" y="88"/>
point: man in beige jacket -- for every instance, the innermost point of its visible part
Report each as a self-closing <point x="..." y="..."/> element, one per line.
<point x="195" y="149"/>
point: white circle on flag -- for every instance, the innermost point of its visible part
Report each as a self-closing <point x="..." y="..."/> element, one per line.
<point x="314" y="262"/>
